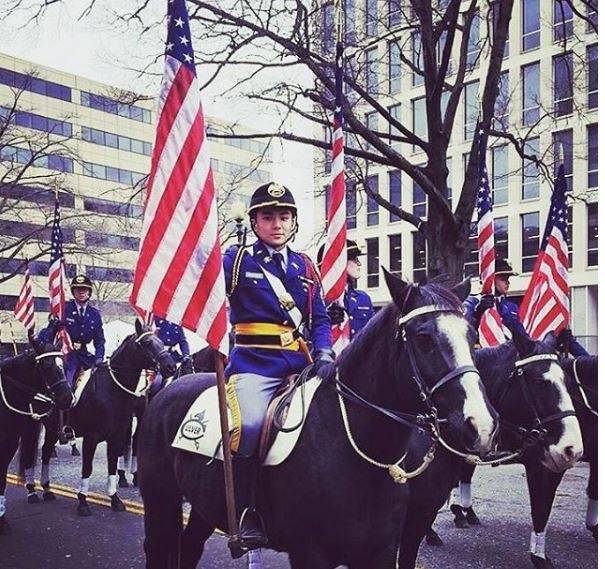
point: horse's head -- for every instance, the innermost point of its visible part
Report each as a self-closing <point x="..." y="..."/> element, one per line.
<point x="51" y="373"/>
<point x="438" y="349"/>
<point x="151" y="350"/>
<point x="546" y="408"/>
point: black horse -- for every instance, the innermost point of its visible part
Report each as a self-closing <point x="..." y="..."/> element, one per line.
<point x="328" y="504"/>
<point x="104" y="411"/>
<point x="37" y="372"/>
<point x="537" y="420"/>
<point x="582" y="383"/>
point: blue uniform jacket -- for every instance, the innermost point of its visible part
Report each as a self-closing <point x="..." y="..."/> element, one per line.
<point x="253" y="300"/>
<point x="358" y="306"/>
<point x="172" y="335"/>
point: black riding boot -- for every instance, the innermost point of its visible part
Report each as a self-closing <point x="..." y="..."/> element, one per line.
<point x="251" y="526"/>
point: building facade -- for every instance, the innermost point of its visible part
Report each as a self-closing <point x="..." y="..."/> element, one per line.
<point x="96" y="141"/>
<point x="548" y="95"/>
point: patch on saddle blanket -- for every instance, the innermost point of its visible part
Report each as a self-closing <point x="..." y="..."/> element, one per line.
<point x="200" y="429"/>
<point x="81" y="383"/>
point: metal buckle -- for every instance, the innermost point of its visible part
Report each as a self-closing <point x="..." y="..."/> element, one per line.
<point x="286" y="338"/>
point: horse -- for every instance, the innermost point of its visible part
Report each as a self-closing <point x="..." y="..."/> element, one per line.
<point x="526" y="385"/>
<point x="37" y="373"/>
<point x="104" y="411"/>
<point x="582" y="382"/>
<point x="332" y="500"/>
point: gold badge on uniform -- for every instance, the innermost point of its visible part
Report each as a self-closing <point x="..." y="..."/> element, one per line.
<point x="276" y="190"/>
<point x="287" y="301"/>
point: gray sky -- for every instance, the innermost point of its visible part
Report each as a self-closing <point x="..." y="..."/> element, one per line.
<point x="98" y="49"/>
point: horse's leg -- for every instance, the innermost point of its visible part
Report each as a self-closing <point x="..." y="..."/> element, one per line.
<point x="378" y="558"/>
<point x="7" y="451"/>
<point x="89" y="446"/>
<point x="462" y="501"/>
<point x="51" y="436"/>
<point x="193" y="539"/>
<point x="124" y="460"/>
<point x="542" y="484"/>
<point x="592" y="518"/>
<point x="135" y="444"/>
<point x="309" y="557"/>
<point x="114" y="445"/>
<point x="27" y="458"/>
<point x="417" y="525"/>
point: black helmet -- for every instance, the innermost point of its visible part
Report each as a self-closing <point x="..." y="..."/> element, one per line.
<point x="504" y="268"/>
<point x="272" y="195"/>
<point x="353" y="251"/>
<point x="81" y="281"/>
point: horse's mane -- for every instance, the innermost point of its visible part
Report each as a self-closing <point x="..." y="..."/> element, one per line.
<point x="16" y="360"/>
<point x="123" y="344"/>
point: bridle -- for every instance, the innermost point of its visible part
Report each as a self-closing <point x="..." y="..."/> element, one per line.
<point x="155" y="358"/>
<point x="41" y="397"/>
<point x="539" y="426"/>
<point x="428" y="422"/>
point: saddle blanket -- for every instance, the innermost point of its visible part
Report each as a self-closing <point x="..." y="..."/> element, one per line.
<point x="200" y="430"/>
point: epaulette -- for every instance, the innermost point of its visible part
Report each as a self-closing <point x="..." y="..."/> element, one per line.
<point x="237" y="263"/>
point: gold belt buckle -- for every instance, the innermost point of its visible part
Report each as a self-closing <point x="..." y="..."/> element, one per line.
<point x="286" y="338"/>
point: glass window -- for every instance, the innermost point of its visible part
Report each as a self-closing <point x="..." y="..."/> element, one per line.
<point x="372" y="207"/>
<point x="418" y="201"/>
<point x="593" y="155"/>
<point x="371" y="17"/>
<point x="372" y="71"/>
<point x="474" y="42"/>
<point x="593" y="234"/>
<point x="124" y="143"/>
<point x="500" y="174"/>
<point x="394" y="13"/>
<point x="531" y="172"/>
<point x="530" y="227"/>
<point x="531" y="93"/>
<point x="373" y="261"/>
<point x="23" y="119"/>
<point x="471" y="108"/>
<point x="501" y="237"/>
<point x="419" y="111"/>
<point x="563" y="19"/>
<point x="394" y="67"/>
<point x="349" y="7"/>
<point x="502" y="101"/>
<point x="327" y="35"/>
<point x="136" y="146"/>
<point x="394" y="192"/>
<point x="126" y="177"/>
<point x="418" y="257"/>
<point x="592" y="15"/>
<point x="563" y="84"/>
<point x="563" y="151"/>
<point x="531" y="24"/>
<point x="395" y="112"/>
<point x="417" y="77"/>
<point x="147" y="148"/>
<point x="395" y="254"/>
<point x="351" y="205"/>
<point x="113" y="174"/>
<point x="592" y="53"/>
<point x="471" y="262"/>
<point x="97" y="136"/>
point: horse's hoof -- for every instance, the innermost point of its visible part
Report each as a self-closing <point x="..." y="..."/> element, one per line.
<point x="541" y="562"/>
<point x="593" y="530"/>
<point x="4" y="526"/>
<point x="433" y="539"/>
<point x="122" y="482"/>
<point x="49" y="496"/>
<point x="53" y="453"/>
<point x="32" y="498"/>
<point x="75" y="451"/>
<point x="116" y="504"/>
<point x="83" y="507"/>
<point x="471" y="517"/>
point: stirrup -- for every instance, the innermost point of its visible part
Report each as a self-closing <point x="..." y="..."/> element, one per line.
<point x="251" y="534"/>
<point x="67" y="434"/>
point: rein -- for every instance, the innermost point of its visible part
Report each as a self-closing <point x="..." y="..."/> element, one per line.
<point x="34" y="393"/>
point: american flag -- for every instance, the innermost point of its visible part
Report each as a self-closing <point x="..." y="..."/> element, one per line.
<point x="24" y="308"/>
<point x="179" y="273"/>
<point x="545" y="305"/>
<point x="334" y="263"/>
<point x="57" y="280"/>
<point x="491" y="332"/>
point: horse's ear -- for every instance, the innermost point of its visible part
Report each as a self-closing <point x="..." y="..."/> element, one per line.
<point x="550" y="341"/>
<point x="397" y="288"/>
<point x="35" y="344"/>
<point x="462" y="289"/>
<point x="138" y="326"/>
<point x="524" y="344"/>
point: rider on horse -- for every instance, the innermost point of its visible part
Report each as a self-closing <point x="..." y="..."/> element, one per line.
<point x="172" y="335"/>
<point x="357" y="303"/>
<point x="273" y="291"/>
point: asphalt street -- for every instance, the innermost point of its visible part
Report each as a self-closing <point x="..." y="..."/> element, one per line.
<point x="52" y="536"/>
